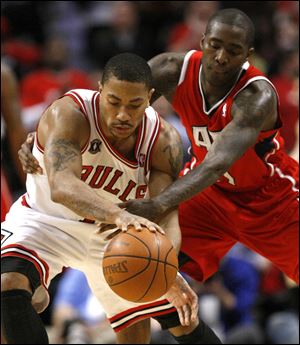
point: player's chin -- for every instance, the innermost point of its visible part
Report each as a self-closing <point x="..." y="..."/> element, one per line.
<point x="217" y="79"/>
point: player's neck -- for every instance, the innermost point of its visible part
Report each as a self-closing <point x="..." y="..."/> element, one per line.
<point x="125" y="146"/>
<point x="213" y="93"/>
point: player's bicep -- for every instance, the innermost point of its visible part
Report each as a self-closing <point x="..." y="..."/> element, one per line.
<point x="62" y="132"/>
<point x="165" y="70"/>
<point x="158" y="182"/>
<point x="253" y="111"/>
<point x="256" y="107"/>
<point x="62" y="156"/>
<point x="168" y="151"/>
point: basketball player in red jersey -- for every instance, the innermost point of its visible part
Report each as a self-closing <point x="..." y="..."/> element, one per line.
<point x="95" y="150"/>
<point x="240" y="185"/>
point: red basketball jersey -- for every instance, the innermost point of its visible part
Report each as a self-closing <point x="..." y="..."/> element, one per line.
<point x="259" y="162"/>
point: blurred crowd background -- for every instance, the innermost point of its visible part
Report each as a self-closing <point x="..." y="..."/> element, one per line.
<point x="54" y="46"/>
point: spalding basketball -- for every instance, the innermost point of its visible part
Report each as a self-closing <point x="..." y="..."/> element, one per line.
<point x="140" y="266"/>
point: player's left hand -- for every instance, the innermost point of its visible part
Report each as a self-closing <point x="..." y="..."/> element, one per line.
<point x="29" y="163"/>
<point x="146" y="208"/>
<point x="184" y="299"/>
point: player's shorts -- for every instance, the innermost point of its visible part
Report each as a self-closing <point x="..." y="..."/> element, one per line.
<point x="51" y="244"/>
<point x="265" y="220"/>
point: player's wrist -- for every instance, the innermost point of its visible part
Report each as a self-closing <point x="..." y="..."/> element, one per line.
<point x="114" y="215"/>
<point x="159" y="205"/>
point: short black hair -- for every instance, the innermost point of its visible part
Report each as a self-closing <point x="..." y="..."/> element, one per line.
<point x="234" y="17"/>
<point x="128" y="67"/>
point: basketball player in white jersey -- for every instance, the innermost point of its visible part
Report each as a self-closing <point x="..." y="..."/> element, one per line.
<point x="96" y="149"/>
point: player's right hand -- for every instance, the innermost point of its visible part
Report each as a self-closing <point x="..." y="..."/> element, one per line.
<point x="29" y="163"/>
<point x="124" y="219"/>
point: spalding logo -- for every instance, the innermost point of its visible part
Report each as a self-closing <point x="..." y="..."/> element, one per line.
<point x="119" y="267"/>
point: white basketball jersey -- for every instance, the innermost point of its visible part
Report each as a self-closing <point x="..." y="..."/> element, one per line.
<point x="112" y="176"/>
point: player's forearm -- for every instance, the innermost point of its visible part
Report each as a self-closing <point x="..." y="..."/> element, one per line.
<point x="226" y="149"/>
<point x="187" y="186"/>
<point x="81" y="199"/>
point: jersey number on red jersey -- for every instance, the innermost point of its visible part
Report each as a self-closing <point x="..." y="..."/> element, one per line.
<point x="204" y="138"/>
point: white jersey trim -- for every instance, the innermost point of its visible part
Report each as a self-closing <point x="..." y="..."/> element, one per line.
<point x="277" y="147"/>
<point x="207" y="112"/>
<point x="24" y="252"/>
<point x="140" y="312"/>
<point x="153" y="140"/>
<point x="185" y="65"/>
<point x="76" y="97"/>
<point x="290" y="178"/>
<point x="79" y="99"/>
<point x="255" y="79"/>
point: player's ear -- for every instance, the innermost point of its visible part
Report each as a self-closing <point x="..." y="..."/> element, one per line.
<point x="100" y="86"/>
<point x="202" y="41"/>
<point x="150" y="94"/>
<point x="250" y="52"/>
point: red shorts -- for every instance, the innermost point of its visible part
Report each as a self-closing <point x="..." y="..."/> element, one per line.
<point x="265" y="220"/>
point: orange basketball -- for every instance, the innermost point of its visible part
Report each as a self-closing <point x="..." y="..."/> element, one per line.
<point x="140" y="266"/>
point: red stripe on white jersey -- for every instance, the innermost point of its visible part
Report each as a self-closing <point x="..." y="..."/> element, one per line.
<point x="142" y="311"/>
<point x="153" y="140"/>
<point x="141" y="317"/>
<point x="18" y="250"/>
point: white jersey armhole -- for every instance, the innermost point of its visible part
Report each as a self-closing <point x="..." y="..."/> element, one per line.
<point x="184" y="66"/>
<point x="255" y="79"/>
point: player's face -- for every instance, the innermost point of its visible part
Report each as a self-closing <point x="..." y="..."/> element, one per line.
<point x="225" y="50"/>
<point x="122" y="106"/>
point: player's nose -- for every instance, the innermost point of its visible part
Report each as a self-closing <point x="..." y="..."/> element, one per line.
<point x="123" y="115"/>
<point x="221" y="57"/>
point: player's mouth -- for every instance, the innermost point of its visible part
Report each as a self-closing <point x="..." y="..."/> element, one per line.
<point x="216" y="68"/>
<point x="219" y="70"/>
<point x="122" y="128"/>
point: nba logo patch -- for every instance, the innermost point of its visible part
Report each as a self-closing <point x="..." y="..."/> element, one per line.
<point x="95" y="146"/>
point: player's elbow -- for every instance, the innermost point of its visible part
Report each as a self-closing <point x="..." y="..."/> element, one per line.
<point x="57" y="195"/>
<point x="58" y="191"/>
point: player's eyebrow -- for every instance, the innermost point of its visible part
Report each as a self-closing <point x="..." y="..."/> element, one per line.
<point x="131" y="100"/>
<point x="236" y="46"/>
<point x="233" y="45"/>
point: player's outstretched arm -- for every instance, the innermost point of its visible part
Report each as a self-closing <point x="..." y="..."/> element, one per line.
<point x="254" y="110"/>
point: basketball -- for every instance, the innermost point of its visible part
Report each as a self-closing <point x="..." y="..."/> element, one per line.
<point x="140" y="266"/>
